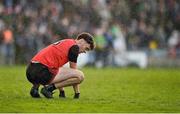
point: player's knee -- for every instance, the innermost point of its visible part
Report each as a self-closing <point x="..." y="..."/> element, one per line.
<point x="80" y="76"/>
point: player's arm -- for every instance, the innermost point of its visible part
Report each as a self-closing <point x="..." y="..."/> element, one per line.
<point x="73" y="65"/>
<point x="73" y="55"/>
<point x="75" y="87"/>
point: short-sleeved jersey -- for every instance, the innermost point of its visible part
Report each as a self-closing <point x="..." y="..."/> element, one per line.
<point x="55" y="55"/>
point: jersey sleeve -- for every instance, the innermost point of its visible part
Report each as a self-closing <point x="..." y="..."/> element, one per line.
<point x="73" y="53"/>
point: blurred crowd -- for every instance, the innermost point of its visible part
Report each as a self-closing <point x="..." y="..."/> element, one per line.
<point x="26" y="26"/>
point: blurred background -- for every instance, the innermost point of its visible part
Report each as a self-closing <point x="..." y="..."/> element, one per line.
<point x="142" y="33"/>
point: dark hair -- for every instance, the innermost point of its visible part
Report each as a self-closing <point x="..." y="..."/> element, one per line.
<point x="88" y="38"/>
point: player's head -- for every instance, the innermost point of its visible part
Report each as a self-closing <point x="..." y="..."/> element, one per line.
<point x="88" y="38"/>
<point x="88" y="43"/>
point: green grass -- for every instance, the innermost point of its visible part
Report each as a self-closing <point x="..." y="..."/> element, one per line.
<point x="104" y="90"/>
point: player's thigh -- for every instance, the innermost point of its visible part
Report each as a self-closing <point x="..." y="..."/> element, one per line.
<point x="66" y="73"/>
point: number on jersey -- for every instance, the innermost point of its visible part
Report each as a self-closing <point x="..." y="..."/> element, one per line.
<point x="56" y="43"/>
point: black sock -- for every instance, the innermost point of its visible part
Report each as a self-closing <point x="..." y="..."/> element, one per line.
<point x="51" y="87"/>
<point x="35" y="87"/>
<point x="62" y="93"/>
<point x="76" y="95"/>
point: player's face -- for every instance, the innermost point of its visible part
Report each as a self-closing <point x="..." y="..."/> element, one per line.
<point x="84" y="47"/>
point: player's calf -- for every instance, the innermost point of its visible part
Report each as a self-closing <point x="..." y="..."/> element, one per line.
<point x="80" y="76"/>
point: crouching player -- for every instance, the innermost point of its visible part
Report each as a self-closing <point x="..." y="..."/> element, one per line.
<point x="46" y="69"/>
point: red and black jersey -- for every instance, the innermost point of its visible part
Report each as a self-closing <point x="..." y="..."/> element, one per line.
<point x="58" y="54"/>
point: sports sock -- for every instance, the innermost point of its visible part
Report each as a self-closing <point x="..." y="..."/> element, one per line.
<point x="35" y="87"/>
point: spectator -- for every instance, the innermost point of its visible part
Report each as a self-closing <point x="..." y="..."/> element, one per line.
<point x="54" y="20"/>
<point x="7" y="46"/>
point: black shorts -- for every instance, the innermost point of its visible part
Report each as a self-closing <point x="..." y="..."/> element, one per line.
<point x="38" y="73"/>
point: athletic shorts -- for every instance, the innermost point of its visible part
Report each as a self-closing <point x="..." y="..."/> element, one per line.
<point x="38" y="73"/>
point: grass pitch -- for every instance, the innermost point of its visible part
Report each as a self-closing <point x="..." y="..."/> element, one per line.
<point x="104" y="90"/>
